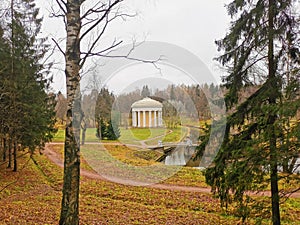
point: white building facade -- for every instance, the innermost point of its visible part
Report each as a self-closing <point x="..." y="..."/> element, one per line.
<point x="146" y="113"/>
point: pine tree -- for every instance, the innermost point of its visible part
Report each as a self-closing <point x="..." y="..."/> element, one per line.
<point x="261" y="49"/>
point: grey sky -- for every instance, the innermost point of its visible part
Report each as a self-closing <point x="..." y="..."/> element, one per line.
<point x="191" y="24"/>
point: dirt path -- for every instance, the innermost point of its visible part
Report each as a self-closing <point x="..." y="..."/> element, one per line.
<point x="143" y="142"/>
<point x="55" y="158"/>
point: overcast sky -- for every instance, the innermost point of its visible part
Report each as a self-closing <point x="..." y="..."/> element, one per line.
<point x="192" y="24"/>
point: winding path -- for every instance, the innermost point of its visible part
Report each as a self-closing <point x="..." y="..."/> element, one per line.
<point x="56" y="159"/>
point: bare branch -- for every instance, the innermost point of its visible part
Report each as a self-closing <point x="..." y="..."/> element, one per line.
<point x="60" y="4"/>
<point x="122" y="15"/>
<point x="54" y="14"/>
<point x="126" y="56"/>
<point x="254" y="63"/>
<point x="95" y="9"/>
<point x="94" y="44"/>
<point x="107" y="11"/>
<point x="89" y="53"/>
<point x="58" y="47"/>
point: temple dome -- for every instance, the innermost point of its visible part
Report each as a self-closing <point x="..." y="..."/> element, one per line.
<point x="146" y="103"/>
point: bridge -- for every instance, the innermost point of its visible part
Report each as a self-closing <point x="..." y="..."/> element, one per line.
<point x="167" y="147"/>
<point x="181" y="151"/>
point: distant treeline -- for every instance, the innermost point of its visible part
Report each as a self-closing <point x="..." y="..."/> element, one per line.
<point x="188" y="100"/>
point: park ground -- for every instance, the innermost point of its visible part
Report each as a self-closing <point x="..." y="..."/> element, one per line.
<point x="33" y="194"/>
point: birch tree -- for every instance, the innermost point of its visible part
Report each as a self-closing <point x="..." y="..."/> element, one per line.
<point x="86" y="23"/>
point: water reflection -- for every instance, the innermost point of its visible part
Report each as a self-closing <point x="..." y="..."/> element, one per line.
<point x="180" y="156"/>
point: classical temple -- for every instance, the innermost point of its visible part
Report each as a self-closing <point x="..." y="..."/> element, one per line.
<point x="146" y="113"/>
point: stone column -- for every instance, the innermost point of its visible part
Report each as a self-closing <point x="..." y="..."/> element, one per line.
<point x="160" y="118"/>
<point x="144" y="118"/>
<point x="150" y="118"/>
<point x="134" y="124"/>
<point x="139" y="119"/>
<point x="155" y="120"/>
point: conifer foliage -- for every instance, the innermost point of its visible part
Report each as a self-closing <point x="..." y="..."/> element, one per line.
<point x="106" y="119"/>
<point x="261" y="141"/>
<point x="27" y="111"/>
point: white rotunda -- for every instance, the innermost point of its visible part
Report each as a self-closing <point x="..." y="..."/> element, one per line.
<point x="146" y="113"/>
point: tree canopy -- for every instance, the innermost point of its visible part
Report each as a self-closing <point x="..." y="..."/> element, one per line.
<point x="261" y="50"/>
<point x="106" y="118"/>
<point x="27" y="109"/>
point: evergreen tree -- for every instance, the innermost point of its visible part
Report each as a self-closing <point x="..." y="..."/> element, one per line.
<point x="170" y="114"/>
<point x="29" y="110"/>
<point x="111" y="131"/>
<point x="61" y="107"/>
<point x="261" y="49"/>
<point x="108" y="127"/>
<point x="145" y="91"/>
<point x="4" y="92"/>
<point x="172" y="92"/>
<point x="100" y="131"/>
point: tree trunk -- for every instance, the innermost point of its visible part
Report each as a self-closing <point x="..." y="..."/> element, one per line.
<point x="9" y="153"/>
<point x="292" y="165"/>
<point x="4" y="147"/>
<point x="83" y="136"/>
<point x="272" y="118"/>
<point x="83" y="126"/>
<point x="15" y="157"/>
<point x="275" y="191"/>
<point x="70" y="200"/>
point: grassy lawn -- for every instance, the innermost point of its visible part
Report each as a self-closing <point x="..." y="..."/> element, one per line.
<point x="37" y="192"/>
<point x="90" y="135"/>
<point x="186" y="176"/>
<point x="34" y="197"/>
<point x="176" y="135"/>
<point x="59" y="136"/>
<point x="135" y="135"/>
<point x="151" y="136"/>
<point x="142" y="133"/>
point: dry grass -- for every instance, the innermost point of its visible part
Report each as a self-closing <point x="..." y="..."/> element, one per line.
<point x="35" y="193"/>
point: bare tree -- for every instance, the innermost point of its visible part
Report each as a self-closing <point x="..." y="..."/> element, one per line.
<point x="85" y="22"/>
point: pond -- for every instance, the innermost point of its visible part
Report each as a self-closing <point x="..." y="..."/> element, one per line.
<point x="181" y="156"/>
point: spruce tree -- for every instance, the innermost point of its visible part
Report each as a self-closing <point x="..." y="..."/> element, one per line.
<point x="29" y="109"/>
<point x="107" y="127"/>
<point x="4" y="93"/>
<point x="261" y="50"/>
<point x="145" y="91"/>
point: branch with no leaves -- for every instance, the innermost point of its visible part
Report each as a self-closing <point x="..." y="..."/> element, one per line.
<point x="104" y="18"/>
<point x="106" y="53"/>
<point x="98" y="21"/>
<point x="62" y="5"/>
<point x="58" y="47"/>
<point x="96" y="9"/>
